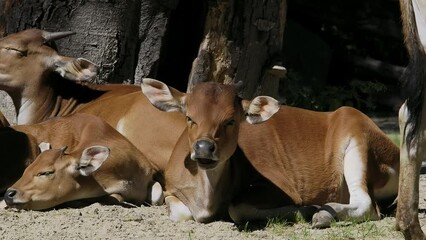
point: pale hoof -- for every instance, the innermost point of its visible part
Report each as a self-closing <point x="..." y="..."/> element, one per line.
<point x="178" y="212"/>
<point x="157" y="194"/>
<point x="322" y="219"/>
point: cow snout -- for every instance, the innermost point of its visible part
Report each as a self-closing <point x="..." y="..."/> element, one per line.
<point x="204" y="152"/>
<point x="9" y="196"/>
<point x="204" y="148"/>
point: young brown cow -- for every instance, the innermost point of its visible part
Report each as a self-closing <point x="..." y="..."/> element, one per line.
<point x="89" y="159"/>
<point x="340" y="160"/>
<point x="44" y="84"/>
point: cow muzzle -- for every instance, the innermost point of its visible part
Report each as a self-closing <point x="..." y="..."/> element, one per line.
<point x="204" y="153"/>
<point x="10" y="197"/>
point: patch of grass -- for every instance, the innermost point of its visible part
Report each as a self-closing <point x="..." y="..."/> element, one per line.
<point x="277" y="225"/>
<point x="337" y="231"/>
<point x="352" y="230"/>
<point x="394" y="137"/>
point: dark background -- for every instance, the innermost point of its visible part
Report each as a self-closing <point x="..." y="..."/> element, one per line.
<point x="336" y="52"/>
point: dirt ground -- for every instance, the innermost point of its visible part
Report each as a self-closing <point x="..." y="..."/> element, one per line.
<point x="116" y="222"/>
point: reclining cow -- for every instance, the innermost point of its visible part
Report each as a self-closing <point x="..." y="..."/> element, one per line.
<point x="339" y="160"/>
<point x="411" y="118"/>
<point x="88" y="159"/>
<point x="44" y="84"/>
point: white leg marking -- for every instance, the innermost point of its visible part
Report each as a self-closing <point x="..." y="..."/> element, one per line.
<point x="360" y="204"/>
<point x="355" y="172"/>
<point x="178" y="212"/>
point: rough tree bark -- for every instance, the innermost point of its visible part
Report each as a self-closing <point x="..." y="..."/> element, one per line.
<point x="242" y="42"/>
<point x="242" y="38"/>
<point x="123" y="37"/>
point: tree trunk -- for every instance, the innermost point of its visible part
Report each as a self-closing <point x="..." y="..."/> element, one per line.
<point x="242" y="42"/>
<point x="123" y="37"/>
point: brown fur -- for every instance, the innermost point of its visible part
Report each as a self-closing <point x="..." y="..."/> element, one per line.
<point x="78" y="132"/>
<point x="48" y="95"/>
<point x="296" y="157"/>
<point x="301" y="151"/>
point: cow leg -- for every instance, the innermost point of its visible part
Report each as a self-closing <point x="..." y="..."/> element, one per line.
<point x="262" y="201"/>
<point x="360" y="207"/>
<point x="243" y="213"/>
<point x="407" y="220"/>
<point x="178" y="211"/>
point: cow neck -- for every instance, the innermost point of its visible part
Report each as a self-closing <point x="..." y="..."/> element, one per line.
<point x="211" y="179"/>
<point x="211" y="195"/>
<point x="59" y="97"/>
<point x="31" y="106"/>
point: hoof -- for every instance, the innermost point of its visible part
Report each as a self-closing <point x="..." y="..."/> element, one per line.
<point x="322" y="219"/>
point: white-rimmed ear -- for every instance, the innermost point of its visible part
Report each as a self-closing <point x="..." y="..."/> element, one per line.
<point x="43" y="146"/>
<point x="79" y="69"/>
<point x="260" y="109"/>
<point x="163" y="97"/>
<point x="91" y="159"/>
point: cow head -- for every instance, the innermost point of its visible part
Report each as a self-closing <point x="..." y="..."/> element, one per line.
<point x="56" y="177"/>
<point x="213" y="113"/>
<point x="25" y="60"/>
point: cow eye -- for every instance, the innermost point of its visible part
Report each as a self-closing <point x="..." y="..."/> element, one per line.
<point x="230" y="123"/>
<point x="19" y="52"/>
<point x="189" y="120"/>
<point x="45" y="173"/>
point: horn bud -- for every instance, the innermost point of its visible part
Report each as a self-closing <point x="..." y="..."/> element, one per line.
<point x="51" y="36"/>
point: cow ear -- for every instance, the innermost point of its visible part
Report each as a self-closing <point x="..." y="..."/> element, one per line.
<point x="43" y="146"/>
<point x="79" y="69"/>
<point x="163" y="97"/>
<point x="260" y="109"/>
<point x="91" y="159"/>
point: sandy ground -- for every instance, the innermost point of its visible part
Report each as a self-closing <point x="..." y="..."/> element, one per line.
<point x="97" y="221"/>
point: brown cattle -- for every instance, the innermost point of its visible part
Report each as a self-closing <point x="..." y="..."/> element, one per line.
<point x="339" y="160"/>
<point x="411" y="118"/>
<point x="89" y="159"/>
<point x="42" y="84"/>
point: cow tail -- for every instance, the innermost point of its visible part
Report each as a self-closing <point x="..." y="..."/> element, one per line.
<point x="414" y="76"/>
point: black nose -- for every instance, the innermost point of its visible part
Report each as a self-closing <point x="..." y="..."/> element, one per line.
<point x="204" y="147"/>
<point x="9" y="195"/>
